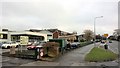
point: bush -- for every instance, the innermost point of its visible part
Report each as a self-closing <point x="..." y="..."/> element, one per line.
<point x="82" y="40"/>
<point x="85" y="43"/>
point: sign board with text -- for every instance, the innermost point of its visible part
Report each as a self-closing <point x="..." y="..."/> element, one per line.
<point x="23" y="40"/>
<point x="105" y="35"/>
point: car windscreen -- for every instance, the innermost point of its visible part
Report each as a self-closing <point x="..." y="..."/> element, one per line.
<point x="35" y="44"/>
<point x="7" y="43"/>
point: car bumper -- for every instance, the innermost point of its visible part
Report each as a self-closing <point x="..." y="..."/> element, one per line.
<point x="30" y="48"/>
<point x="3" y="47"/>
<point x="74" y="46"/>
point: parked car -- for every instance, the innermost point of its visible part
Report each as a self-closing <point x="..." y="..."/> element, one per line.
<point x="68" y="46"/>
<point x="40" y="45"/>
<point x="29" y="43"/>
<point x="97" y="40"/>
<point x="103" y="41"/>
<point x="1" y="44"/>
<point x="32" y="46"/>
<point x="110" y="41"/>
<point x="35" y="45"/>
<point x="75" y="44"/>
<point x="9" y="44"/>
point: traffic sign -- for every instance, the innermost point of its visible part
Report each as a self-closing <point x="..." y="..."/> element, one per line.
<point x="105" y="35"/>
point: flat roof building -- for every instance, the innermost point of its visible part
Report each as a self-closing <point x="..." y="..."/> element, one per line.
<point x="6" y="36"/>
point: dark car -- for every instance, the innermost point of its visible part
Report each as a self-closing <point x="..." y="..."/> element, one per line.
<point x="75" y="44"/>
<point x="68" y="46"/>
<point x="110" y="41"/>
<point x="103" y="41"/>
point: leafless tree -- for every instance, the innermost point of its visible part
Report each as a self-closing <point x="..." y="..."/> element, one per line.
<point x="88" y="35"/>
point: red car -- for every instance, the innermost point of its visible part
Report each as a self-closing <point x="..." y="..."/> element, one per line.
<point x="35" y="45"/>
<point x="32" y="46"/>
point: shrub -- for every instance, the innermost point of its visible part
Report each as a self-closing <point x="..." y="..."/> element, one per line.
<point x="82" y="40"/>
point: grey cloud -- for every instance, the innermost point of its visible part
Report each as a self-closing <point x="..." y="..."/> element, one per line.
<point x="72" y="15"/>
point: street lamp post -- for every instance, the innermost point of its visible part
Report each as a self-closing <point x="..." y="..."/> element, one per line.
<point x="95" y="28"/>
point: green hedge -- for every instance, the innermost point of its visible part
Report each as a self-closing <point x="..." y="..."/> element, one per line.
<point x="85" y="43"/>
<point x="100" y="55"/>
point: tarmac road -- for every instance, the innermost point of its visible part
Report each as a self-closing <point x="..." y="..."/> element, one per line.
<point x="114" y="46"/>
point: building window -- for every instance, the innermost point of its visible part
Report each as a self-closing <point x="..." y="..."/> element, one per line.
<point x="49" y="35"/>
<point x="1" y="36"/>
<point x="5" y="36"/>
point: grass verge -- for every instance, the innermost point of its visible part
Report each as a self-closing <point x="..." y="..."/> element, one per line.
<point x="100" y="55"/>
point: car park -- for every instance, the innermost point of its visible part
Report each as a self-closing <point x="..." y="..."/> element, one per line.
<point x="9" y="44"/>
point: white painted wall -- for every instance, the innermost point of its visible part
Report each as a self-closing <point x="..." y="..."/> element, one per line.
<point x="25" y="32"/>
<point x="4" y="40"/>
<point x="31" y="33"/>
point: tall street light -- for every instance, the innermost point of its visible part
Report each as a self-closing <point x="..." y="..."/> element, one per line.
<point x="95" y="28"/>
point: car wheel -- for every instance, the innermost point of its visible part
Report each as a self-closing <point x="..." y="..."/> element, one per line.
<point x="17" y="46"/>
<point x="29" y="48"/>
<point x="8" y="47"/>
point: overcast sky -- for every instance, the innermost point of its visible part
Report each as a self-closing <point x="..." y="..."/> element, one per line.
<point x="66" y="15"/>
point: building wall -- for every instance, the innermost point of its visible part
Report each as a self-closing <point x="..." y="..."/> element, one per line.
<point x="49" y="34"/>
<point x="10" y="37"/>
<point x="56" y="34"/>
<point x="30" y="34"/>
<point x="69" y="38"/>
<point x="4" y="36"/>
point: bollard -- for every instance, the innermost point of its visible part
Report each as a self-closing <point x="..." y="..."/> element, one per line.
<point x="106" y="46"/>
<point x="12" y="50"/>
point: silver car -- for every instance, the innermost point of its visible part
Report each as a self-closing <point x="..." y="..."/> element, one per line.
<point x="9" y="44"/>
